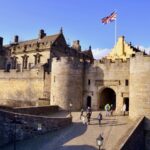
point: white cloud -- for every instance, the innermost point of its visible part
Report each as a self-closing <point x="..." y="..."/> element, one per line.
<point x="99" y="52"/>
<point x="147" y="49"/>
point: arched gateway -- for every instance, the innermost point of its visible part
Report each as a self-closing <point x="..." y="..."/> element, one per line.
<point x="107" y="96"/>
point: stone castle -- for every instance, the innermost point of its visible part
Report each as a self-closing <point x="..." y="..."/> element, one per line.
<point x="47" y="71"/>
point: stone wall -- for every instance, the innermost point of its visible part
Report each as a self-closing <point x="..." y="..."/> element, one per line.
<point x="67" y="82"/>
<point x="21" y="88"/>
<point x="107" y="74"/>
<point x="40" y="110"/>
<point x="140" y="85"/>
<point x="147" y="132"/>
<point x="27" y="126"/>
<point x="136" y="138"/>
<point x="44" y="56"/>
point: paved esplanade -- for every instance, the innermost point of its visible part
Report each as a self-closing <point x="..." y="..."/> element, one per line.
<point x="79" y="136"/>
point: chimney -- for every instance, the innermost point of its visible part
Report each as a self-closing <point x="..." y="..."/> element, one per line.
<point x="41" y="34"/>
<point x="16" y="39"/>
<point x="1" y="43"/>
<point x="76" y="45"/>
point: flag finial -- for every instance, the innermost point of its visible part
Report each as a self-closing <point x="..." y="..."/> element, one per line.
<point x="61" y="30"/>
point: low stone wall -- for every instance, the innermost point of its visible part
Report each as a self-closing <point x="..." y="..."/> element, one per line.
<point x="32" y="110"/>
<point x="147" y="132"/>
<point x="135" y="140"/>
<point x="40" y="110"/>
<point x="16" y="126"/>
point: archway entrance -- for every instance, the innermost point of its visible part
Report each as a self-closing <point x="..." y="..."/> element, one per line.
<point x="107" y="96"/>
<point x="88" y="102"/>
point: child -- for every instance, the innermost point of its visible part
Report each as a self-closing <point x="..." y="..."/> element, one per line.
<point x="99" y="118"/>
<point x="83" y="119"/>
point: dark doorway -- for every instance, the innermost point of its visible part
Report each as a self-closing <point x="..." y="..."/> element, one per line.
<point x="88" y="104"/>
<point x="107" y="96"/>
<point x="126" y="101"/>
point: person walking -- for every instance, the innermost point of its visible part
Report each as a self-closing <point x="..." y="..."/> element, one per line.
<point x="83" y="119"/>
<point x="107" y="109"/>
<point x="88" y="115"/>
<point x="81" y="114"/>
<point x="99" y="117"/>
<point x="124" y="109"/>
<point x="111" y="109"/>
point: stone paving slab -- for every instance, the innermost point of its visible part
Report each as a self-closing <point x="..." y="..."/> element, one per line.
<point x="79" y="136"/>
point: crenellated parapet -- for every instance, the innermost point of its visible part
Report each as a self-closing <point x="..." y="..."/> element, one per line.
<point x="69" y="62"/>
<point x="25" y="74"/>
<point x="110" y="63"/>
<point x="142" y="56"/>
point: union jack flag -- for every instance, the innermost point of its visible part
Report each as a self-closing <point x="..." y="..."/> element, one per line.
<point x="109" y="18"/>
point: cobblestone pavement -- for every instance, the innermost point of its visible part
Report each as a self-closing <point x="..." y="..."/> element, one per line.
<point x="79" y="136"/>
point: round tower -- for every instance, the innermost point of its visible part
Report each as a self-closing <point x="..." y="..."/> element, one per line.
<point x="139" y="86"/>
<point x="67" y="82"/>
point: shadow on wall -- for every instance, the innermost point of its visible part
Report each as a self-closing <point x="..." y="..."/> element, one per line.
<point x="94" y="79"/>
<point x="54" y="140"/>
<point x="99" y="82"/>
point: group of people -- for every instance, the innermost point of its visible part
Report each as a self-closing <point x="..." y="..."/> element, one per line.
<point x="87" y="117"/>
<point x="109" y="109"/>
<point x="109" y="112"/>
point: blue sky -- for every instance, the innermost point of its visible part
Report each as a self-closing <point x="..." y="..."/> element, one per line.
<point x="80" y="19"/>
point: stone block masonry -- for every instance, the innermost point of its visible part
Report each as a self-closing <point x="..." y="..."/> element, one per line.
<point x="136" y="138"/>
<point x="40" y="110"/>
<point x="27" y="126"/>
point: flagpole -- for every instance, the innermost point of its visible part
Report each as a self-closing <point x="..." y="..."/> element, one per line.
<point x="115" y="31"/>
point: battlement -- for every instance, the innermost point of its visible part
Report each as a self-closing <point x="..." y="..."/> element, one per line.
<point x="107" y="62"/>
<point x="141" y="55"/>
<point x="25" y="74"/>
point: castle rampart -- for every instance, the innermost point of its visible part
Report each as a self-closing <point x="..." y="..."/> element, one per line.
<point x="21" y="88"/>
<point x="140" y="85"/>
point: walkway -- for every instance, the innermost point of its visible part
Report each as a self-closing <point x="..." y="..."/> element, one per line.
<point x="78" y="136"/>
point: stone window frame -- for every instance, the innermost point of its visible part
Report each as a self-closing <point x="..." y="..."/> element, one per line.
<point x="14" y="62"/>
<point x="25" y="61"/>
<point x="37" y="59"/>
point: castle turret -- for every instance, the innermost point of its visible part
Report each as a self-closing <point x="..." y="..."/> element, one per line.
<point x="67" y="82"/>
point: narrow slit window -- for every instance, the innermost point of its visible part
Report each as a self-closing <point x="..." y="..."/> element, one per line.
<point x="89" y="81"/>
<point x="126" y="82"/>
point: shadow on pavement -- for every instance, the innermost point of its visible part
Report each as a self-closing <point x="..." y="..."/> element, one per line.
<point x="53" y="141"/>
<point x="78" y="147"/>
